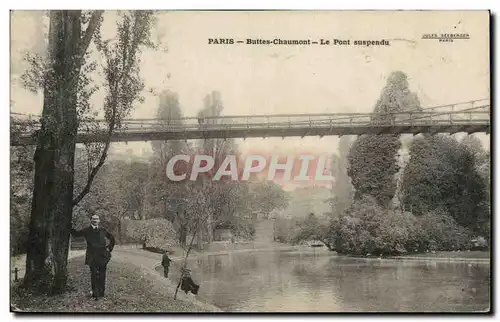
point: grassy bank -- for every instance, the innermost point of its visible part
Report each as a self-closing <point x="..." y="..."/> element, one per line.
<point x="128" y="289"/>
<point x="464" y="254"/>
<point x="451" y="256"/>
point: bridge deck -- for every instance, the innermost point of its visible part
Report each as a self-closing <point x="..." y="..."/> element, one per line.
<point x="470" y="120"/>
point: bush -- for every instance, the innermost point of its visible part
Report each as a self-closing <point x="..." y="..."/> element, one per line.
<point x="439" y="231"/>
<point x="312" y="228"/>
<point x="19" y="230"/>
<point x="157" y="234"/>
<point x="366" y="228"/>
<point x="284" y="229"/>
<point x="358" y="230"/>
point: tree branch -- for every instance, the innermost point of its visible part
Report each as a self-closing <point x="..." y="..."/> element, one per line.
<point x="126" y="66"/>
<point x="89" y="32"/>
<point x="94" y="171"/>
<point x="195" y="233"/>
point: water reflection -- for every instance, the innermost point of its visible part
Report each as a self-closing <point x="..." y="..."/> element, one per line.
<point x="320" y="281"/>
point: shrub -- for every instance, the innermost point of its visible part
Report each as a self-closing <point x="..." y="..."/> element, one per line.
<point x="439" y="231"/>
<point x="368" y="228"/>
<point x="157" y="234"/>
<point x="19" y="229"/>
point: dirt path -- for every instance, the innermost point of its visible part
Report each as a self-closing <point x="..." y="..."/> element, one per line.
<point x="19" y="261"/>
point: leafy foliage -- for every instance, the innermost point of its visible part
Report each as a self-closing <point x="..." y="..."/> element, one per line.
<point x="21" y="184"/>
<point x="222" y="203"/>
<point x="372" y="160"/>
<point x="396" y="97"/>
<point x="439" y="231"/>
<point x="155" y="233"/>
<point x="67" y="85"/>
<point x="118" y="192"/>
<point x="123" y="83"/>
<point x="367" y="228"/>
<point x="266" y="197"/>
<point x="373" y="165"/>
<point x="444" y="174"/>
<point x="342" y="189"/>
<point x="312" y="228"/>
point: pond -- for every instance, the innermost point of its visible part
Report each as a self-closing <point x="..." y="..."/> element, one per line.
<point x="320" y="281"/>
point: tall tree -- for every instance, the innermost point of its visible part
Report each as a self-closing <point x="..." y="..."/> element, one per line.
<point x="372" y="159"/>
<point x="218" y="149"/>
<point x="52" y="200"/>
<point x="342" y="188"/>
<point x="443" y="174"/>
<point x="266" y="197"/>
<point x="67" y="87"/>
<point x="169" y="114"/>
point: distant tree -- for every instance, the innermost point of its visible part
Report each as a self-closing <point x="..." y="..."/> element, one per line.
<point x="445" y="174"/>
<point x="373" y="165"/>
<point x="267" y="196"/>
<point x="197" y="210"/>
<point x="169" y="114"/>
<point x="218" y="149"/>
<point x="396" y="97"/>
<point x="367" y="228"/>
<point x="155" y="234"/>
<point x="313" y="228"/>
<point x="118" y="191"/>
<point x="342" y="189"/>
<point x="373" y="158"/>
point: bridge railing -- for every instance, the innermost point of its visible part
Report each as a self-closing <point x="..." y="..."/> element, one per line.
<point x="478" y="114"/>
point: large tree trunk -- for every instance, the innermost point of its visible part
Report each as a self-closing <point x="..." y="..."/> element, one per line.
<point x="52" y="204"/>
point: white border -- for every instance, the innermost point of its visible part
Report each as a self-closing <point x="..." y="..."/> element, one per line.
<point x="190" y="4"/>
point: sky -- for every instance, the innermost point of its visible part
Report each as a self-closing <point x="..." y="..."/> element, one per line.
<point x="260" y="79"/>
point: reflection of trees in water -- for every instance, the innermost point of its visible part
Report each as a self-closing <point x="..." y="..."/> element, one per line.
<point x="261" y="281"/>
<point x="410" y="286"/>
<point x="477" y="286"/>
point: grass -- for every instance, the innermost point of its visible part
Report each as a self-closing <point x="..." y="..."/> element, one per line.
<point x="128" y="289"/>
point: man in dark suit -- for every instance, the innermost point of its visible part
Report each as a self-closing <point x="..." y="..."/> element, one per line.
<point x="98" y="253"/>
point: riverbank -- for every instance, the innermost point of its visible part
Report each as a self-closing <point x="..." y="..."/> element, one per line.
<point x="179" y="256"/>
<point x="129" y="288"/>
<point x="458" y="256"/>
<point x="465" y="256"/>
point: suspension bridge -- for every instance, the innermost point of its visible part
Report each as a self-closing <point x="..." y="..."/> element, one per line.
<point x="469" y="117"/>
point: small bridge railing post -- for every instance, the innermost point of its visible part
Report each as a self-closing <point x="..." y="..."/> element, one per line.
<point x="310" y="122"/>
<point x="411" y="118"/>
